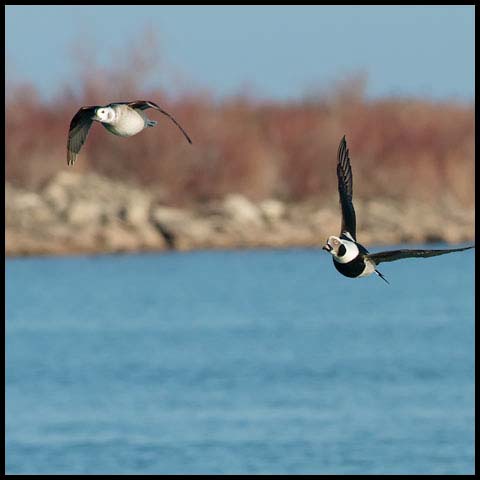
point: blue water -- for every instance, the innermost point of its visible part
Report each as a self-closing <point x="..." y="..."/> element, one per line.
<point x="238" y="362"/>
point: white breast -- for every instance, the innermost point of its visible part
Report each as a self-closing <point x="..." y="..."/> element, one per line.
<point x="127" y="123"/>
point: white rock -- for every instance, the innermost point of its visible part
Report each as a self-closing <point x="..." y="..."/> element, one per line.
<point x="138" y="210"/>
<point x="26" y="208"/>
<point x="241" y="210"/>
<point x="272" y="210"/>
<point x="84" y="212"/>
<point x="169" y="215"/>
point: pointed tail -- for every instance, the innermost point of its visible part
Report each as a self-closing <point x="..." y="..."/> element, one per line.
<point x="381" y="276"/>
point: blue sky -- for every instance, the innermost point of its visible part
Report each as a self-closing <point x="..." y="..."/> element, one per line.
<point x="280" y="52"/>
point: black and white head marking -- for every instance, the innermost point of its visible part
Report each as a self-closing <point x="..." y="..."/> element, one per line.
<point x="343" y="251"/>
<point x="105" y="115"/>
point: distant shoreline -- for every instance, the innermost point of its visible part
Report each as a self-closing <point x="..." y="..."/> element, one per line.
<point x="78" y="214"/>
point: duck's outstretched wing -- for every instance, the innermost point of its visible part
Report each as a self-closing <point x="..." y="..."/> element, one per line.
<point x="345" y="190"/>
<point x="79" y="127"/>
<point x="144" y="104"/>
<point x="393" y="255"/>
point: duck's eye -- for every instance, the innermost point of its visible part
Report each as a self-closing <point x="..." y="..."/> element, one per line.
<point x="342" y="250"/>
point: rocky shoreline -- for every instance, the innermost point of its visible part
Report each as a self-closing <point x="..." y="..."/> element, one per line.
<point x="89" y="214"/>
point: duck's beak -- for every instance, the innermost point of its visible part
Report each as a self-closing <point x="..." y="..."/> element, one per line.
<point x="327" y="247"/>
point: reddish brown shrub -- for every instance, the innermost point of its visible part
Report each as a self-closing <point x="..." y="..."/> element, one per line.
<point x="399" y="147"/>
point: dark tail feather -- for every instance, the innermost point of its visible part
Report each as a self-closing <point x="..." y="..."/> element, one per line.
<point x="381" y="276"/>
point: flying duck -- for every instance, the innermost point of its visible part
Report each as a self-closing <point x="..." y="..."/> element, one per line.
<point x="122" y="118"/>
<point x="351" y="258"/>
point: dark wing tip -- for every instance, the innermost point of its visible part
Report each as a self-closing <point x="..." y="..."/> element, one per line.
<point x="172" y="118"/>
<point x="344" y="170"/>
<point x="343" y="160"/>
<point x="71" y="157"/>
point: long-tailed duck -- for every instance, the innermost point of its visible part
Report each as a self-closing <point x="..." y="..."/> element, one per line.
<point x="122" y="118"/>
<point x="351" y="258"/>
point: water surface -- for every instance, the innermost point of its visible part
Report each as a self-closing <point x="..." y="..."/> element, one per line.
<point x="238" y="362"/>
